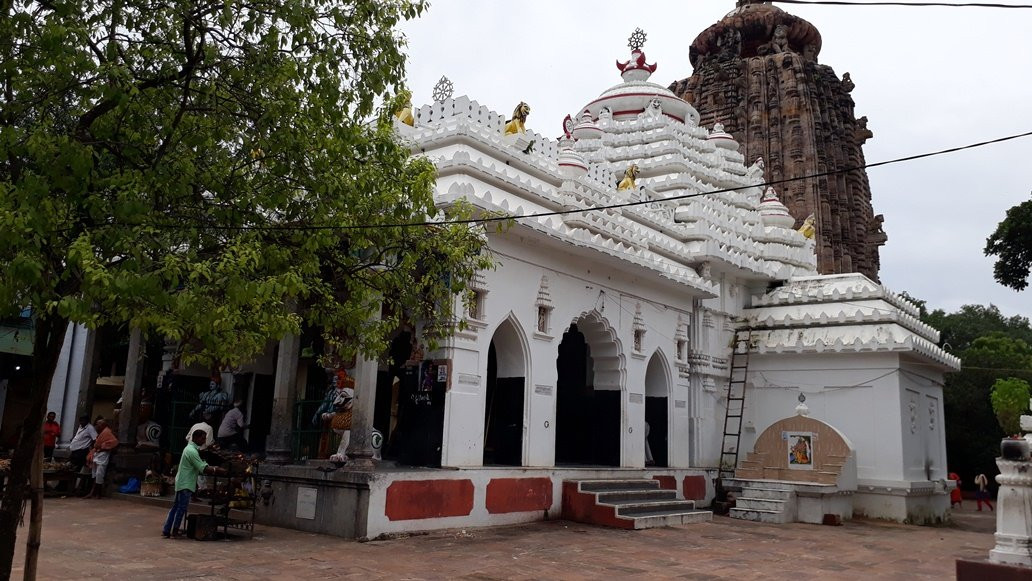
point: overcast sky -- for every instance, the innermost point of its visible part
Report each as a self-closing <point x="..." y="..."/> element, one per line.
<point x="928" y="79"/>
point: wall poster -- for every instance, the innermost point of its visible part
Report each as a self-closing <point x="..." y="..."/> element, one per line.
<point x="799" y="447"/>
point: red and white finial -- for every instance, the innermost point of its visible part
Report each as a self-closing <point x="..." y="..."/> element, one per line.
<point x="636" y="69"/>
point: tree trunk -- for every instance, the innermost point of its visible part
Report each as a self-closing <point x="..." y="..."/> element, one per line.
<point x="36" y="516"/>
<point x="49" y="338"/>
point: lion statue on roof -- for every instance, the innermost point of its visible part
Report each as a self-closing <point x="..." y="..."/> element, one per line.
<point x="519" y="119"/>
<point x="629" y="175"/>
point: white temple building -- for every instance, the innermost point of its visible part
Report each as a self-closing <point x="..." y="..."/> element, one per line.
<point x="599" y="351"/>
<point x="611" y="312"/>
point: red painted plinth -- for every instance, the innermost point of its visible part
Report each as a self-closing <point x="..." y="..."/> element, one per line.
<point x="518" y="494"/>
<point x="581" y="507"/>
<point x="986" y="571"/>
<point x="694" y="487"/>
<point x="666" y="481"/>
<point x="416" y="499"/>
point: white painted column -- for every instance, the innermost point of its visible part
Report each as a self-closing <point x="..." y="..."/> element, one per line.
<point x="1014" y="512"/>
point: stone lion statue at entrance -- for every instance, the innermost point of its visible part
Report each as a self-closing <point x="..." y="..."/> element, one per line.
<point x="519" y="119"/>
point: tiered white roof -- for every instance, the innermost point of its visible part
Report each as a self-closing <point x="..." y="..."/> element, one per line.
<point x="841" y="313"/>
<point x="636" y="122"/>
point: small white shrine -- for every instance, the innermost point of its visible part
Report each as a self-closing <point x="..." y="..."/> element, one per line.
<point x="642" y="241"/>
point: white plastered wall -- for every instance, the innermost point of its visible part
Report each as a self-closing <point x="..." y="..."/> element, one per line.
<point x="605" y="299"/>
<point x="857" y="393"/>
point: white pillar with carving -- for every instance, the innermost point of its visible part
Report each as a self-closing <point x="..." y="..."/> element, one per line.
<point x="1014" y="501"/>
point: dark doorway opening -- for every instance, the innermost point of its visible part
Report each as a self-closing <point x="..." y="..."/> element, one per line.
<point x="503" y="412"/>
<point x="657" y="412"/>
<point x="587" y="420"/>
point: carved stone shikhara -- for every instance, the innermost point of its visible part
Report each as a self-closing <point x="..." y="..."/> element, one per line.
<point x="756" y="71"/>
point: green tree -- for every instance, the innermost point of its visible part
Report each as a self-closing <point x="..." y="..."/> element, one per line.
<point x="214" y="172"/>
<point x="1010" y="401"/>
<point x="959" y="329"/>
<point x="991" y="346"/>
<point x="1011" y="243"/>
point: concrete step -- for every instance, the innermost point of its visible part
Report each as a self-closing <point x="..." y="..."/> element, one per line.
<point x="766" y="493"/>
<point x="756" y="515"/>
<point x="745" y="483"/>
<point x="672" y="519"/>
<point x="617" y="485"/>
<point x="657" y="507"/>
<point x="750" y="503"/>
<point x="635" y="496"/>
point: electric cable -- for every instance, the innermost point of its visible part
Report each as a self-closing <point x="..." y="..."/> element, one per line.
<point x="908" y="4"/>
<point x="506" y="218"/>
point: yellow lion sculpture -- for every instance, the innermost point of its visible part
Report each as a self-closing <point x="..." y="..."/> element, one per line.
<point x="808" y="229"/>
<point x="519" y="119"/>
<point x="404" y="114"/>
<point x="629" y="175"/>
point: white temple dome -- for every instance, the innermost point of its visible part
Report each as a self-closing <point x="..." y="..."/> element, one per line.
<point x="586" y="128"/>
<point x="628" y="99"/>
<point x="635" y="94"/>
<point x="773" y="213"/>
<point x="571" y="163"/>
<point x="723" y="139"/>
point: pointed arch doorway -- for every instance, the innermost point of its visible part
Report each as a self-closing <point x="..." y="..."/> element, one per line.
<point x="657" y="410"/>
<point x="505" y="387"/>
<point x="588" y="395"/>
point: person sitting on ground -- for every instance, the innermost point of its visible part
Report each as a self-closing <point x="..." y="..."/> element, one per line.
<point x="102" y="448"/>
<point x="231" y="432"/>
<point x="190" y="467"/>
<point x="51" y="432"/>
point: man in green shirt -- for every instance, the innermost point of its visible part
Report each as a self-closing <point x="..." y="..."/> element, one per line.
<point x="190" y="467"/>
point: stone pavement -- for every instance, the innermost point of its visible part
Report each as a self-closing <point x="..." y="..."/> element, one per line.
<point x="120" y="540"/>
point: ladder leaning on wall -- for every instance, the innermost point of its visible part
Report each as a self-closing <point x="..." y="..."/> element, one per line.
<point x="741" y="344"/>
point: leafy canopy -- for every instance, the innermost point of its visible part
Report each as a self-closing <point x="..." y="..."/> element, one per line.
<point x="1011" y="243"/>
<point x="216" y="172"/>
<point x="1010" y="401"/>
<point x="991" y="347"/>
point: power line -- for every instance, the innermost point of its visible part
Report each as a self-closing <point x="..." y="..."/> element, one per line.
<point x="913" y="4"/>
<point x="490" y="219"/>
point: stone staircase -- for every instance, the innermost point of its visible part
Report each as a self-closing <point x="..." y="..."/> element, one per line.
<point x="627" y="504"/>
<point x="756" y="466"/>
<point x="763" y="500"/>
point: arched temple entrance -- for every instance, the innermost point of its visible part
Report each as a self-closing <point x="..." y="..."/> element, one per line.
<point x="657" y="410"/>
<point x="588" y="395"/>
<point x="506" y="383"/>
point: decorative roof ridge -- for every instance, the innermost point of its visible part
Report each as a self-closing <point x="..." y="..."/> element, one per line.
<point x="791" y="316"/>
<point x="793" y="340"/>
<point x="579" y="236"/>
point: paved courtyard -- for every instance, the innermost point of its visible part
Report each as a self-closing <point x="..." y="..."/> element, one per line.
<point x="117" y="539"/>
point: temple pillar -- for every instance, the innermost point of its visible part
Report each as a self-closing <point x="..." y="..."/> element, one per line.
<point x="87" y="385"/>
<point x="360" y="449"/>
<point x="131" y="390"/>
<point x="278" y="446"/>
<point x="1013" y="517"/>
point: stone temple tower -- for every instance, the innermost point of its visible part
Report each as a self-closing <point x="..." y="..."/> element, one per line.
<point x="756" y="72"/>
